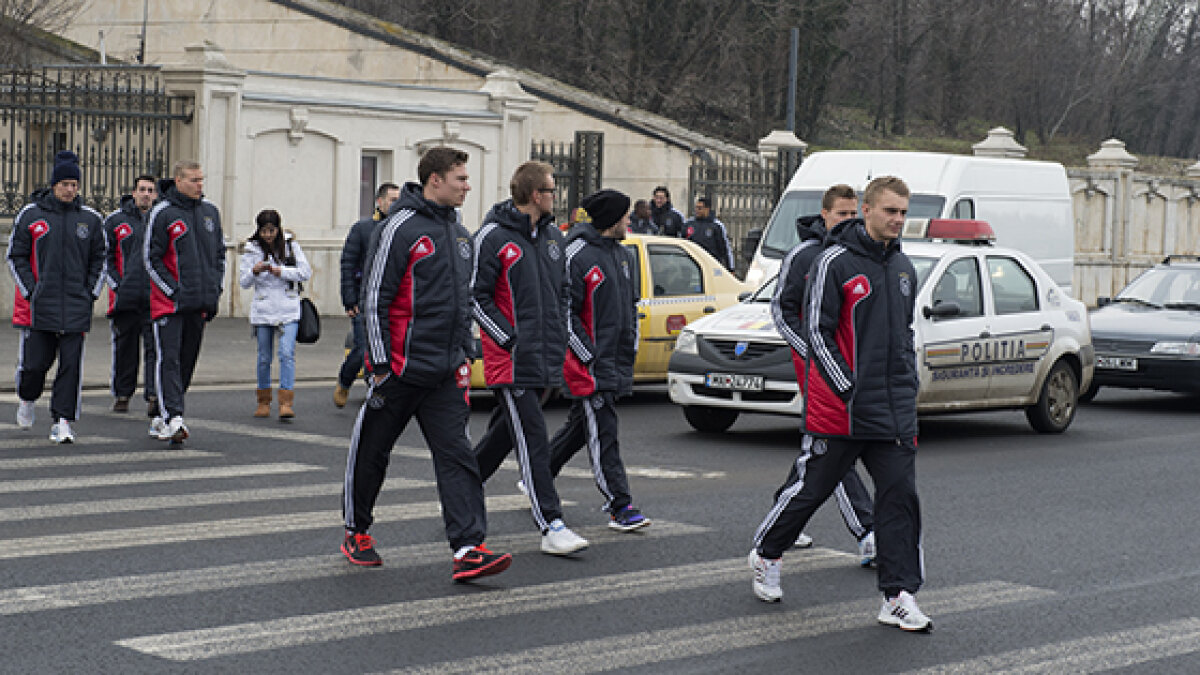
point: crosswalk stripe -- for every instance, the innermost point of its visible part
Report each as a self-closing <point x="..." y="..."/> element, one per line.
<point x="40" y="441"/>
<point x="343" y="443"/>
<point x="106" y="506"/>
<point x="176" y="533"/>
<point x="306" y="629"/>
<point x="1093" y="654"/>
<point x="102" y="458"/>
<point x="31" y="599"/>
<point x="648" y="647"/>
<point x="140" y="477"/>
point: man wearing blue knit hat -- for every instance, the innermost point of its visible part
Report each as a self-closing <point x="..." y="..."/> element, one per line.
<point x="56" y="257"/>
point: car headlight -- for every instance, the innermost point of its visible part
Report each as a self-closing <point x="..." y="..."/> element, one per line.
<point x="686" y="343"/>
<point x="1176" y="348"/>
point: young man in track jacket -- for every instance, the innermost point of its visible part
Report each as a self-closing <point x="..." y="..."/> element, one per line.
<point x="520" y="306"/>
<point x="787" y="309"/>
<point x="861" y="398"/>
<point x="129" y="296"/>
<point x="601" y="348"/>
<point x="56" y="257"/>
<point x="710" y="233"/>
<point x="184" y="255"/>
<point x="417" y="306"/>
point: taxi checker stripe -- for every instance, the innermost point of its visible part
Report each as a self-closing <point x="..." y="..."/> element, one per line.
<point x="485" y="321"/>
<point x="577" y="345"/>
<point x="154" y="275"/>
<point x="12" y="268"/>
<point x="379" y="351"/>
<point x="816" y="340"/>
<point x="785" y="328"/>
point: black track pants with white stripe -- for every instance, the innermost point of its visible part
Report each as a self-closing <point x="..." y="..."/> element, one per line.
<point x="443" y="414"/>
<point x="821" y="466"/>
<point x="592" y="423"/>
<point x="177" y="339"/>
<point x="129" y="331"/>
<point x="517" y="423"/>
<point x="853" y="501"/>
<point x="38" y="350"/>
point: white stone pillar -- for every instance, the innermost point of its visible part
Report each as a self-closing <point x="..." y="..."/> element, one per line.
<point x="515" y="107"/>
<point x="779" y="139"/>
<point x="1000" y="143"/>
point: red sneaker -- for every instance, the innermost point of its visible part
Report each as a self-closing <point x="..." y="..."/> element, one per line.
<point x="359" y="548"/>
<point x="480" y="562"/>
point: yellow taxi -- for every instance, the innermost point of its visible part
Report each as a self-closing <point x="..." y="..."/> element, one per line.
<point x="680" y="283"/>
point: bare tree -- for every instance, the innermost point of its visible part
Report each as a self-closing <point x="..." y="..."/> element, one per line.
<point x="19" y="19"/>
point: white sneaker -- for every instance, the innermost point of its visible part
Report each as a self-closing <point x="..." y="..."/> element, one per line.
<point x="174" y="431"/>
<point x="521" y="488"/>
<point x="866" y="550"/>
<point x="25" y="413"/>
<point x="902" y="612"/>
<point x="560" y="540"/>
<point x="803" y="541"/>
<point x="60" y="432"/>
<point x="766" y="577"/>
<point x="157" y="427"/>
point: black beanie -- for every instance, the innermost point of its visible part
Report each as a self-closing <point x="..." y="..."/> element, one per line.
<point x="66" y="167"/>
<point x="606" y="208"/>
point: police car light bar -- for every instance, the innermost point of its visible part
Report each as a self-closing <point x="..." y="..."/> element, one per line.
<point x="962" y="230"/>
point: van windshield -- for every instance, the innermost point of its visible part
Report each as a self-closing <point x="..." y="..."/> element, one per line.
<point x="781" y="235"/>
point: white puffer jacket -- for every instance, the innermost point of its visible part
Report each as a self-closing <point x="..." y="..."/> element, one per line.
<point x="276" y="300"/>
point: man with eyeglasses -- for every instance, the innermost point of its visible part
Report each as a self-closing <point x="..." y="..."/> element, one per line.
<point x="518" y="285"/>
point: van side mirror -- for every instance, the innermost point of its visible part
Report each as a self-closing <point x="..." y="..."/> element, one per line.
<point x="942" y="310"/>
<point x="1103" y="301"/>
<point x="743" y="295"/>
<point x="750" y="244"/>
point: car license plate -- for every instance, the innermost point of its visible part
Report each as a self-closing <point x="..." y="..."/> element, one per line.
<point x="1116" y="363"/>
<point x="734" y="381"/>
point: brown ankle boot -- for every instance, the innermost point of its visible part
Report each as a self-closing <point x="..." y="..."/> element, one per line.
<point x="264" y="403"/>
<point x="286" y="397"/>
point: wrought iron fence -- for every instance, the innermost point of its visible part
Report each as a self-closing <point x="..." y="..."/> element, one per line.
<point x="743" y="191"/>
<point x="578" y="169"/>
<point x="116" y="118"/>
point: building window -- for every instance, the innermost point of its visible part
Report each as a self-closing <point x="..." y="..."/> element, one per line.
<point x="368" y="180"/>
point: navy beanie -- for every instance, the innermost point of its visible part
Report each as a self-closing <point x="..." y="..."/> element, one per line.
<point x="606" y="208"/>
<point x="66" y="167"/>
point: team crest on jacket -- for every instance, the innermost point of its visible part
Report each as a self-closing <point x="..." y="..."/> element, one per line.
<point x="553" y="249"/>
<point x="464" y="249"/>
<point x="208" y="224"/>
<point x="625" y="268"/>
<point x="81" y="230"/>
<point x="905" y="284"/>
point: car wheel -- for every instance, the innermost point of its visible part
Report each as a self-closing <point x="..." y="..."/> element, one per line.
<point x="1087" y="396"/>
<point x="1055" y="408"/>
<point x="709" y="420"/>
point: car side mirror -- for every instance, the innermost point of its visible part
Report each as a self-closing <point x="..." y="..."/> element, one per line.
<point x="743" y="295"/>
<point x="1103" y="301"/>
<point x="942" y="310"/>
<point x="750" y="244"/>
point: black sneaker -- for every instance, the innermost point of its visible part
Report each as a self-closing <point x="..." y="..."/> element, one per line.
<point x="628" y="519"/>
<point x="480" y="562"/>
<point x="359" y="548"/>
<point x="121" y="404"/>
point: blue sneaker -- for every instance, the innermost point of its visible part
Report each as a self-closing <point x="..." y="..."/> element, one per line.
<point x="628" y="519"/>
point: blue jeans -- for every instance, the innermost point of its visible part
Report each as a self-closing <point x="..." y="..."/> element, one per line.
<point x="287" y="354"/>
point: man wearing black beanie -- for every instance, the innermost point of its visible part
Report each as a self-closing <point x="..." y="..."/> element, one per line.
<point x="601" y="348"/>
<point x="56" y="257"/>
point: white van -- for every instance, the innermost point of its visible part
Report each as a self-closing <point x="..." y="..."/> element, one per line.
<point x="1027" y="203"/>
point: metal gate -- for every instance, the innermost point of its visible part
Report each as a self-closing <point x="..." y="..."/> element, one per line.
<point x="116" y="118"/>
<point x="578" y="169"/>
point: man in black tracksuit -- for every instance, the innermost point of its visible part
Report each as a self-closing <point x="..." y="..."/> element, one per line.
<point x="861" y="398"/>
<point x="666" y="217"/>
<point x="417" y="306"/>
<point x="709" y="233"/>
<point x="520" y="306"/>
<point x="354" y="255"/>
<point x="601" y="349"/>
<point x="56" y="257"/>
<point x="184" y="255"/>
<point x="787" y="309"/>
<point x="129" y="295"/>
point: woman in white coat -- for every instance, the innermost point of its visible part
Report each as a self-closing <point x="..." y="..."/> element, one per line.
<point x="274" y="266"/>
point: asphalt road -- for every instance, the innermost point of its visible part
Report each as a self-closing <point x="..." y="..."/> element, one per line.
<point x="1072" y="553"/>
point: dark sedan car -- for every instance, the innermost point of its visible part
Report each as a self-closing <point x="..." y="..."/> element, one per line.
<point x="1148" y="336"/>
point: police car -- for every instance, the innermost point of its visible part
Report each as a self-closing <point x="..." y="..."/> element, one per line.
<point x="992" y="331"/>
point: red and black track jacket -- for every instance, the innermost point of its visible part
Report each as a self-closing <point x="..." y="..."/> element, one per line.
<point x="415" y="295"/>
<point x="861" y="380"/>
<point x="56" y="257"/>
<point x="602" y="331"/>
<point x="125" y="235"/>
<point x="787" y="306"/>
<point x="519" y="298"/>
<point x="184" y="254"/>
